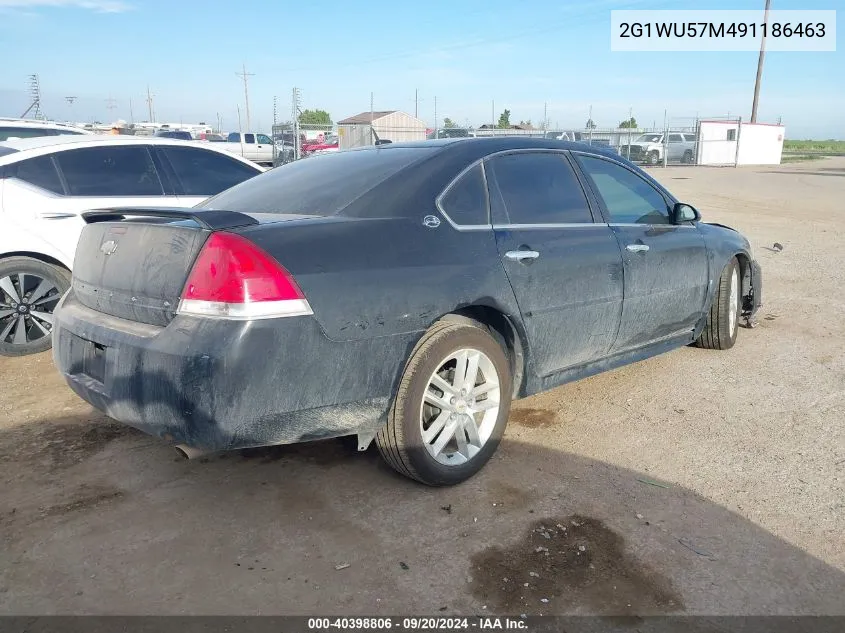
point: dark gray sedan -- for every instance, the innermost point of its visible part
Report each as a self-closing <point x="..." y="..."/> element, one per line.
<point x="405" y="293"/>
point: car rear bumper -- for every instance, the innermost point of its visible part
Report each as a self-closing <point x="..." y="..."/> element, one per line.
<point x="217" y="384"/>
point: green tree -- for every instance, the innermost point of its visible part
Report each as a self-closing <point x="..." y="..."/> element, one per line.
<point x="590" y="125"/>
<point x="447" y="122"/>
<point x="629" y="123"/>
<point x="505" y="119"/>
<point x="315" y="117"/>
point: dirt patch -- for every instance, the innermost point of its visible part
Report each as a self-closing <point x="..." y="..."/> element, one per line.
<point x="532" y="418"/>
<point x="563" y="564"/>
<point x="62" y="443"/>
<point x="505" y="496"/>
<point x="85" y="497"/>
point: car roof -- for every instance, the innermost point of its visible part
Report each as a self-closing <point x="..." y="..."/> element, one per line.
<point x="40" y="145"/>
<point x="39" y="124"/>
<point x="484" y="145"/>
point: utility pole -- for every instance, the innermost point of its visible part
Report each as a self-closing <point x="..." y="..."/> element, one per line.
<point x="70" y="101"/>
<point x="150" y="105"/>
<point x="245" y="76"/>
<point x="297" y="144"/>
<point x="436" y="131"/>
<point x="760" y="64"/>
<point x="131" y="113"/>
<point x="111" y="104"/>
<point x="545" y="115"/>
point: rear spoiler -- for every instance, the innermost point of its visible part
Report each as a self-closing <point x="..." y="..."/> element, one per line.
<point x="211" y="219"/>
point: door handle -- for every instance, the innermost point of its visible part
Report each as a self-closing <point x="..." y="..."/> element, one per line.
<point x="637" y="248"/>
<point x="520" y="255"/>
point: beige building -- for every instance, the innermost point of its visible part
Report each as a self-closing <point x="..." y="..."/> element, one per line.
<point x="389" y="125"/>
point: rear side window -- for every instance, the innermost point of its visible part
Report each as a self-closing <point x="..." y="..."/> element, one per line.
<point x="40" y="172"/>
<point x="206" y="173"/>
<point x="320" y="185"/>
<point x="120" y="170"/>
<point x="539" y="188"/>
<point x="24" y="132"/>
<point x="465" y="202"/>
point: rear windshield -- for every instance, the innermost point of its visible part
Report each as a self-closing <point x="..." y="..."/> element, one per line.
<point x="318" y="185"/>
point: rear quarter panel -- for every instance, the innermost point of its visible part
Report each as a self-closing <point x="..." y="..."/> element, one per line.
<point x="367" y="278"/>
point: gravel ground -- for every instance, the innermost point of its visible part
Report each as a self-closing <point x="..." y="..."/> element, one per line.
<point x="697" y="482"/>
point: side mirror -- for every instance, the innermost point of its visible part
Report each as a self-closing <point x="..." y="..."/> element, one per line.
<point x="684" y="213"/>
<point x="383" y="141"/>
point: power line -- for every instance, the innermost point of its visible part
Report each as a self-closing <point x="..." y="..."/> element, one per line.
<point x="245" y="76"/>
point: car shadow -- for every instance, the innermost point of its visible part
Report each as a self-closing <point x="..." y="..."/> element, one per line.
<point x="101" y="519"/>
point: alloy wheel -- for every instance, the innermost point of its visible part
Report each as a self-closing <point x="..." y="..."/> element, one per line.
<point x="27" y="302"/>
<point x="460" y="407"/>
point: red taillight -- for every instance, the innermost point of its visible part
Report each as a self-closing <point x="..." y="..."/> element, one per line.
<point x="233" y="278"/>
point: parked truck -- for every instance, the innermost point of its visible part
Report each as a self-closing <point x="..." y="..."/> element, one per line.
<point x="255" y="147"/>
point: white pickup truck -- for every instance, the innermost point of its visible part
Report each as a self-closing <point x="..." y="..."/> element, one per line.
<point x="255" y="147"/>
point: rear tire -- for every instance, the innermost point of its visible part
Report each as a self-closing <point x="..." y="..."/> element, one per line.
<point x="463" y="369"/>
<point x="720" y="330"/>
<point x="36" y="287"/>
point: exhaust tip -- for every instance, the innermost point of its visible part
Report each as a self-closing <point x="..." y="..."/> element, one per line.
<point x="189" y="452"/>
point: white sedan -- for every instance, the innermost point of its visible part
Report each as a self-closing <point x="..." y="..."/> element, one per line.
<point x="45" y="185"/>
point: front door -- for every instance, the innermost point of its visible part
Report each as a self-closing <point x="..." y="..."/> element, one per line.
<point x="666" y="272"/>
<point x="565" y="269"/>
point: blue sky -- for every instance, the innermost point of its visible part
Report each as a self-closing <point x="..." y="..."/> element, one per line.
<point x="467" y="53"/>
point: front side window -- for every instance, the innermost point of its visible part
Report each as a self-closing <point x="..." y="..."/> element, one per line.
<point x="40" y="172"/>
<point x="465" y="202"/>
<point x="204" y="172"/>
<point x="628" y="198"/>
<point x="263" y="138"/>
<point x="120" y="170"/>
<point x="539" y="188"/>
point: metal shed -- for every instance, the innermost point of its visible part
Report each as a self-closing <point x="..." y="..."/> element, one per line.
<point x="390" y="125"/>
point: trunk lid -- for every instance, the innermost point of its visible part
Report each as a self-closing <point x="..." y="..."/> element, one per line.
<point x="134" y="270"/>
<point x="133" y="263"/>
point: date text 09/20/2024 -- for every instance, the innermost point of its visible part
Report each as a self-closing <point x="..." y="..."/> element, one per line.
<point x="418" y="624"/>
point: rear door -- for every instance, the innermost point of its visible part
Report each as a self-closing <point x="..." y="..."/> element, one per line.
<point x="666" y="273"/>
<point x="565" y="268"/>
<point x="250" y="147"/>
<point x="676" y="148"/>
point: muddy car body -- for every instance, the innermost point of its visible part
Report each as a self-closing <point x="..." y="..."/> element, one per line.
<point x="406" y="292"/>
